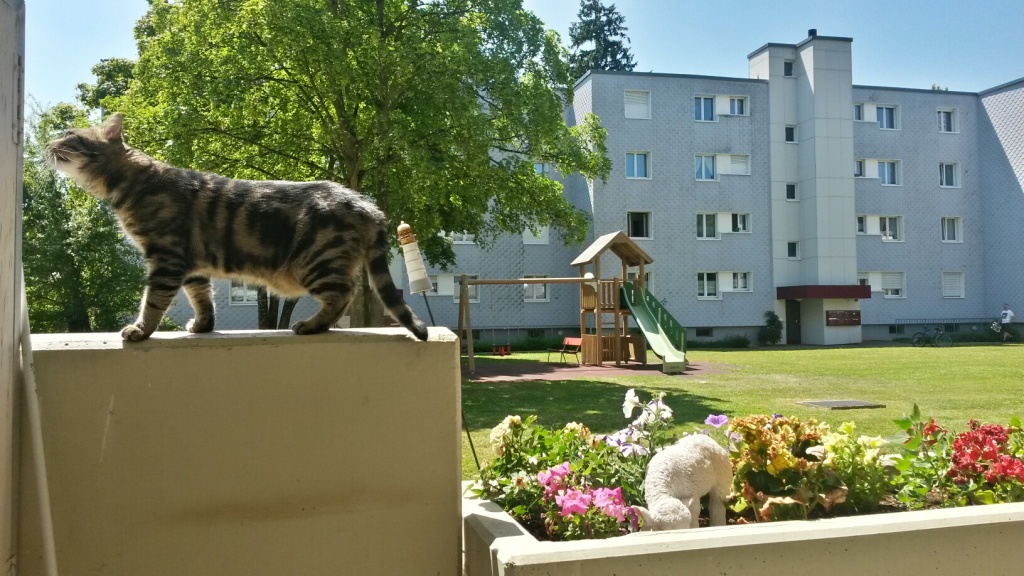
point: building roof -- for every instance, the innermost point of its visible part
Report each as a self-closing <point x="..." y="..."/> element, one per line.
<point x="623" y="247"/>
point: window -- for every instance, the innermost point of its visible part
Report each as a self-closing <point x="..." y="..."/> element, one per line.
<point x="535" y="292"/>
<point x="539" y="168"/>
<point x="639" y="224"/>
<point x="463" y="238"/>
<point x="858" y="111"/>
<point x="791" y="192"/>
<point x="739" y="164"/>
<point x="741" y="222"/>
<point x="951" y="230"/>
<point x="952" y="284"/>
<point x="473" y="289"/>
<point x="632" y="275"/>
<point x="706" y="225"/>
<point x="638" y="104"/>
<point x="889" y="227"/>
<point x="540" y="238"/>
<point x="887" y="118"/>
<point x="704" y="108"/>
<point x="888" y="172"/>
<point x="242" y="293"/>
<point x="741" y="281"/>
<point x="636" y="165"/>
<point x="793" y="250"/>
<point x="444" y="285"/>
<point x="949" y="175"/>
<point x="705" y="167"/>
<point x="737" y="106"/>
<point x="863" y="279"/>
<point x="948" y="120"/>
<point x="862" y="227"/>
<point x="787" y="68"/>
<point x="790" y="133"/>
<point x="858" y="168"/>
<point x="896" y="329"/>
<point x="704" y="332"/>
<point x="707" y="285"/>
<point x="892" y="285"/>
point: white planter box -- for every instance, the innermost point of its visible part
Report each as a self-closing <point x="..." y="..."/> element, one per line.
<point x="975" y="540"/>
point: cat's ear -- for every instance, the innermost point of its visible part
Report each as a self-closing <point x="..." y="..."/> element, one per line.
<point x="112" y="127"/>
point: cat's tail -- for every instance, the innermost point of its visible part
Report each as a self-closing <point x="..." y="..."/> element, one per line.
<point x="380" y="278"/>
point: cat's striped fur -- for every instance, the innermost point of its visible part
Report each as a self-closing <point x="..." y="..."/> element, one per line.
<point x="293" y="237"/>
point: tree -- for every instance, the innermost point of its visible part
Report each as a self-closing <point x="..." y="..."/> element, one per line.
<point x="436" y="109"/>
<point x="771" y="332"/>
<point x="938" y="88"/>
<point x="600" y="27"/>
<point x="81" y="275"/>
<point x="112" y="78"/>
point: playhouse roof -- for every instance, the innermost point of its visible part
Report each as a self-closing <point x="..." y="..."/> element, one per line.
<point x="620" y="244"/>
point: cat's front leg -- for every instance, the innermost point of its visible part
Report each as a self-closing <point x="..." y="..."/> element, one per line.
<point x="156" y="299"/>
<point x="200" y="295"/>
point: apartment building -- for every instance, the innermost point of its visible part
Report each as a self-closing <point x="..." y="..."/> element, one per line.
<point x="853" y="212"/>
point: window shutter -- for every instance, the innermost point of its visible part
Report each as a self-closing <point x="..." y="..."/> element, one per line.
<point x="638" y="104"/>
<point x="739" y="165"/>
<point x="892" y="280"/>
<point x="951" y="285"/>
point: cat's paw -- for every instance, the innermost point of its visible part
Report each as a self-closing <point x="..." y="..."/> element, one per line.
<point x="200" y="326"/>
<point x="133" y="333"/>
<point x="307" y="327"/>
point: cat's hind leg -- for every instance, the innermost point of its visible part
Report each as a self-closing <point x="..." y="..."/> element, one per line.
<point x="200" y="296"/>
<point x="334" y="292"/>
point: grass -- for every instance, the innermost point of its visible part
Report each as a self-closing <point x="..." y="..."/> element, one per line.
<point x="952" y="385"/>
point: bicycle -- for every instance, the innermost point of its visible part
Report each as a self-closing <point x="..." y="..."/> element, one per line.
<point x="935" y="336"/>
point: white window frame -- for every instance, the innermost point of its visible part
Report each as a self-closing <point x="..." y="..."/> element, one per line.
<point x="744" y="104"/>
<point x="462" y="237"/>
<point x="474" y="289"/>
<point x="631" y="157"/>
<point x="739" y="223"/>
<point x="858" y="112"/>
<point x="530" y="290"/>
<point x="703" y="218"/>
<point x="744" y="160"/>
<point x="443" y="285"/>
<point x="796" y="250"/>
<point x="884" y="173"/>
<point x="955" y="168"/>
<point x="540" y="168"/>
<point x="741" y="282"/>
<point x="882" y="117"/>
<point x="796" y="192"/>
<point x="862" y="224"/>
<point x="858" y="168"/>
<point x="953" y="285"/>
<point x="894" y="285"/>
<point x="954" y="120"/>
<point x="701" y="161"/>
<point x="248" y="293"/>
<point x="701" y="108"/>
<point x="647" y="224"/>
<point x="791" y="65"/>
<point x="786" y="133"/>
<point x="637" y="94"/>
<point x="957" y="223"/>
<point x="703" y="279"/>
<point x="886" y="225"/>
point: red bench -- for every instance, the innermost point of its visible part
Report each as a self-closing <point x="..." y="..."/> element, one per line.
<point x="569" y="346"/>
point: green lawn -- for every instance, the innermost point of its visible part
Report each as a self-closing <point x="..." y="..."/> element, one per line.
<point x="951" y="384"/>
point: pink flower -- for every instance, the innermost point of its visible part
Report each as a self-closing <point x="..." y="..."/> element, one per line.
<point x="610" y="502"/>
<point x="573" y="501"/>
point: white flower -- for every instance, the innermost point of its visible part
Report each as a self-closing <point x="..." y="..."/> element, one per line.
<point x="631" y="402"/>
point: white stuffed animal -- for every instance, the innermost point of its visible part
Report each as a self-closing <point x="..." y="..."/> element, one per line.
<point x="676" y="479"/>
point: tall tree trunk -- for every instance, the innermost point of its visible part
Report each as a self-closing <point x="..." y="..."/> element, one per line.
<point x="366" y="310"/>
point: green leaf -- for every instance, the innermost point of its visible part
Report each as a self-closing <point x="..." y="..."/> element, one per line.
<point x="904" y="423"/>
<point x="1015" y="422"/>
<point x="915" y="415"/>
<point x="985" y="497"/>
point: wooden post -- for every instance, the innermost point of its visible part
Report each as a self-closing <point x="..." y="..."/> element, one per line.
<point x="468" y="325"/>
<point x="617" y="339"/>
<point x="599" y="315"/>
<point x="12" y="67"/>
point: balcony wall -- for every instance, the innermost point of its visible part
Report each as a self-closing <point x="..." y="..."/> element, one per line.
<point x="248" y="453"/>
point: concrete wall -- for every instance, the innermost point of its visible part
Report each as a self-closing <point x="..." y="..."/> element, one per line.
<point x="973" y="540"/>
<point x="249" y="453"/>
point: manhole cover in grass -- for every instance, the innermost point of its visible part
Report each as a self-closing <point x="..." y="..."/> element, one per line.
<point x="841" y="404"/>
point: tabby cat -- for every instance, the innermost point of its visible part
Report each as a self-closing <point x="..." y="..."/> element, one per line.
<point x="295" y="238"/>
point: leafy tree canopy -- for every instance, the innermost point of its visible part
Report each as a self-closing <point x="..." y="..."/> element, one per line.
<point x="112" y="78"/>
<point x="435" y="108"/>
<point x="81" y="275"/>
<point x="600" y="28"/>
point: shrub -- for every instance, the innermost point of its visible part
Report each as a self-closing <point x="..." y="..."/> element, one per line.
<point x="731" y="341"/>
<point x="771" y="332"/>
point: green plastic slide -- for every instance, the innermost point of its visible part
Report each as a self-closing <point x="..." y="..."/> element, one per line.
<point x="666" y="337"/>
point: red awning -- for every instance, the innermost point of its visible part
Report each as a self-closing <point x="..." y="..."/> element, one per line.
<point x="853" y="291"/>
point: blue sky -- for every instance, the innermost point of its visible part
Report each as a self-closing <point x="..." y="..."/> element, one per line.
<point x="968" y="46"/>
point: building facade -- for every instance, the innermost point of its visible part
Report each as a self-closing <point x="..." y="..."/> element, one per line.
<point x="853" y="212"/>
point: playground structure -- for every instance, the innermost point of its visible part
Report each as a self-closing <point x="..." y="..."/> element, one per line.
<point x="605" y="307"/>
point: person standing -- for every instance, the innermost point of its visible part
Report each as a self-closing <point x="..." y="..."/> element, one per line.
<point x="1005" y="318"/>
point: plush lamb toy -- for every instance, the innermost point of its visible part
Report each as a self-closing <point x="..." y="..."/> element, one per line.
<point x="676" y="479"/>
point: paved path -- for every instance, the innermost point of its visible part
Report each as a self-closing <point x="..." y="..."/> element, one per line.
<point x="515" y="371"/>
